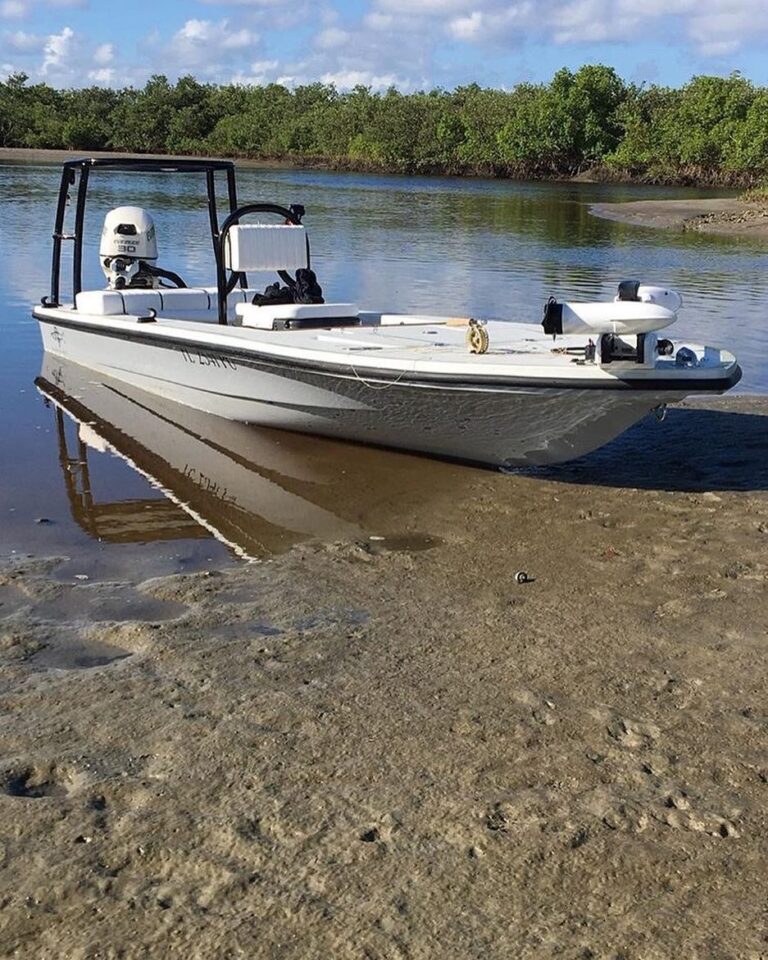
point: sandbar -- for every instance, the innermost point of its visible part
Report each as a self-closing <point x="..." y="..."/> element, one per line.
<point x="390" y="748"/>
<point x="727" y="216"/>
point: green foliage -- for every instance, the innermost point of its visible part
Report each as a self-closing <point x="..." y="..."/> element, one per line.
<point x="713" y="129"/>
<point x="142" y="119"/>
<point x="87" y="113"/>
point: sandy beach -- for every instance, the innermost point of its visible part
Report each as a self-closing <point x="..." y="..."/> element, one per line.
<point x="390" y="749"/>
<point x="725" y="216"/>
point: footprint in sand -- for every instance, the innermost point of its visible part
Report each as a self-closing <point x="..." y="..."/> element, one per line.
<point x="37" y="781"/>
<point x="634" y="734"/>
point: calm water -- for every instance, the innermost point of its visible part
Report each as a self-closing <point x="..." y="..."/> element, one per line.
<point x="426" y="245"/>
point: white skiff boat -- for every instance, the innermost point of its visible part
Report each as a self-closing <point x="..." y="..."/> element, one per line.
<point x="492" y="392"/>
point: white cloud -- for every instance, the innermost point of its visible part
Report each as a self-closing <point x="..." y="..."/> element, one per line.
<point x="264" y="66"/>
<point x="24" y="42"/>
<point x="346" y="79"/>
<point x="331" y="37"/>
<point x="725" y="26"/>
<point x="378" y="21"/>
<point x="208" y="47"/>
<point x="104" y="53"/>
<point x="103" y="77"/>
<point x="58" y="52"/>
<point x="202" y="33"/>
<point x="718" y="48"/>
<point x="12" y="9"/>
<point x="63" y="59"/>
<point x="211" y="50"/>
<point x="468" y="27"/>
<point x="425" y="7"/>
<point x="482" y="25"/>
<point x="380" y="48"/>
<point x="585" y="21"/>
<point x="244" y="3"/>
<point x="259" y="72"/>
<point x="712" y="27"/>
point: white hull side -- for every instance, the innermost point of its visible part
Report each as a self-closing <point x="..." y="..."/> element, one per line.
<point x="500" y="426"/>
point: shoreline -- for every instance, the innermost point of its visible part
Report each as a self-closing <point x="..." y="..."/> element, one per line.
<point x="592" y="175"/>
<point x="725" y="216"/>
<point x="352" y="748"/>
<point x="40" y="155"/>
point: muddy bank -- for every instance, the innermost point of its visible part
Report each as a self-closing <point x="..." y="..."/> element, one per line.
<point x="490" y="171"/>
<point x="726" y="216"/>
<point x="27" y="155"/>
<point x="389" y="748"/>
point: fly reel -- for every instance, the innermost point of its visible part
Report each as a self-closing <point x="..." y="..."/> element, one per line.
<point x="477" y="337"/>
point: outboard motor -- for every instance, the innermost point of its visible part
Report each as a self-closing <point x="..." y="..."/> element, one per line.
<point x="128" y="240"/>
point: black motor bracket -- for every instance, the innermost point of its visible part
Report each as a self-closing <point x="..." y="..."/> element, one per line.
<point x="628" y="290"/>
<point x="552" y="321"/>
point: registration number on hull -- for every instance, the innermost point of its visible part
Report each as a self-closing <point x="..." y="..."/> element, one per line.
<point x="202" y="358"/>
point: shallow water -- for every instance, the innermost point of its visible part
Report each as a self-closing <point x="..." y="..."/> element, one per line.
<point x="97" y="483"/>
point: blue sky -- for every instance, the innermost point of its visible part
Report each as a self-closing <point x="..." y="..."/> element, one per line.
<point x="409" y="43"/>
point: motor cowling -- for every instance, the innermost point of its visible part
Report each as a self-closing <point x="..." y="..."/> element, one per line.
<point x="620" y="317"/>
<point x="633" y="290"/>
<point x="127" y="238"/>
<point x="129" y="231"/>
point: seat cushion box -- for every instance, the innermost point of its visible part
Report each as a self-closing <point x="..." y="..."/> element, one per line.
<point x="296" y="316"/>
<point x="184" y="303"/>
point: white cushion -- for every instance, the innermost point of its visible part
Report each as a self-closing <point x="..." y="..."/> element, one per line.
<point x="108" y="303"/>
<point x="266" y="246"/>
<point x="169" y="302"/>
<point x="100" y="303"/>
<point x="140" y="302"/>
<point x="184" y="299"/>
<point x="264" y="317"/>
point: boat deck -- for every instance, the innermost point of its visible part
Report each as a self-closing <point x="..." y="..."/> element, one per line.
<point x="438" y="348"/>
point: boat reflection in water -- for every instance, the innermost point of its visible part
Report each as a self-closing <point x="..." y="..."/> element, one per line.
<point x="258" y="491"/>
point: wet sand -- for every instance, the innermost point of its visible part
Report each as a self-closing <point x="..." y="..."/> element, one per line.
<point x="726" y="216"/>
<point x="388" y="748"/>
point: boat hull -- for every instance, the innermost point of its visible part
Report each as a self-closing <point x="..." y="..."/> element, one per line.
<point x="496" y="424"/>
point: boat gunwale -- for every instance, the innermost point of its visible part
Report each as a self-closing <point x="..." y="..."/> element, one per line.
<point x="253" y="357"/>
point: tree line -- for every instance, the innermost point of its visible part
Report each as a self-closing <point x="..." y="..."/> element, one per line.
<point x="712" y="130"/>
